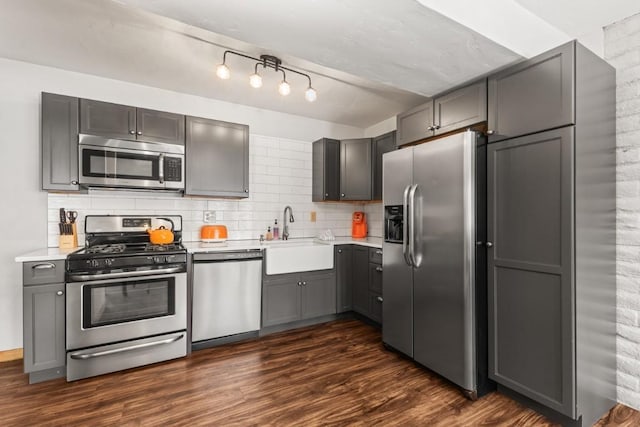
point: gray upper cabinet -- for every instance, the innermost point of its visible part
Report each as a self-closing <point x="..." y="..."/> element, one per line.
<point x="461" y="108"/>
<point x="454" y="110"/>
<point x="344" y="277"/>
<point x="107" y="119"/>
<point x="415" y="124"/>
<point x="530" y="269"/>
<point x="59" y="142"/>
<point x="326" y="170"/>
<point x="217" y="158"/>
<point x="159" y="126"/>
<point x="535" y="95"/>
<point x="356" y="169"/>
<point x="131" y="123"/>
<point x="381" y="144"/>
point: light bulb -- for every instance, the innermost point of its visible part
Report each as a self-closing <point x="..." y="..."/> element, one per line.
<point x="284" y="88"/>
<point x="255" y="80"/>
<point x="223" y="72"/>
<point x="310" y="95"/>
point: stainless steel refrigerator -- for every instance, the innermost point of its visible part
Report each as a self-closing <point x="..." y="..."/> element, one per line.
<point x="434" y="285"/>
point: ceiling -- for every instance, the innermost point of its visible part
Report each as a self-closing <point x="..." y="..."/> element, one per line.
<point x="368" y="59"/>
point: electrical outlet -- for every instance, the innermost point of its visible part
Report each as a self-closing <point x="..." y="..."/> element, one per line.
<point x="209" y="216"/>
<point x="312" y="216"/>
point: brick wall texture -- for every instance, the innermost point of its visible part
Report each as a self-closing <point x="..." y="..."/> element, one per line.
<point x="622" y="50"/>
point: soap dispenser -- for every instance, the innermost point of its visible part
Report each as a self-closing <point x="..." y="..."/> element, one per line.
<point x="276" y="230"/>
<point x="269" y="235"/>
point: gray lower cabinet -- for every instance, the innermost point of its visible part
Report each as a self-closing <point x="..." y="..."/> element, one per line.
<point x="533" y="96"/>
<point x="356" y="169"/>
<point x="59" y="142"/>
<point x="126" y="122"/>
<point x="415" y="124"/>
<point x="381" y="144"/>
<point x="217" y="158"/>
<point x="43" y="320"/>
<point x="530" y="277"/>
<point x="290" y="297"/>
<point x="360" y="281"/>
<point x="344" y="277"/>
<point x="326" y="170"/>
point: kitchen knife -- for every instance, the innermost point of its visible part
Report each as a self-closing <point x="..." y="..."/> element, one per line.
<point x="63" y="216"/>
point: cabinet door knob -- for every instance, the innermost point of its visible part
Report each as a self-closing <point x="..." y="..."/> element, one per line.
<point x="132" y="132"/>
<point x="246" y="190"/>
<point x="378" y="252"/>
<point x="436" y="127"/>
<point x="139" y="132"/>
<point x="304" y="283"/>
<point x="430" y="128"/>
<point x="299" y="283"/>
<point x="74" y="182"/>
<point x="339" y="251"/>
<point x="379" y="269"/>
<point x="59" y="293"/>
<point x="490" y="132"/>
<point x="489" y="244"/>
<point x="342" y="195"/>
<point x="379" y="299"/>
<point x="326" y="194"/>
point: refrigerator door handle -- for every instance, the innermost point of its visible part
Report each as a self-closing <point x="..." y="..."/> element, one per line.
<point x="405" y="228"/>
<point x="412" y="225"/>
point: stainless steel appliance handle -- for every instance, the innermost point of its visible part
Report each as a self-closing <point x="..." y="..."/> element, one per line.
<point x="161" y="167"/>
<point x="412" y="225"/>
<point x="85" y="356"/>
<point x="405" y="227"/>
<point x="44" y="266"/>
<point x="125" y="274"/>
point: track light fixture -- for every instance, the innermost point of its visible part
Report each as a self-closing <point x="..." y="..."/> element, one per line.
<point x="266" y="61"/>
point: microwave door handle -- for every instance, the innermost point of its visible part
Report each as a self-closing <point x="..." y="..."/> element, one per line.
<point x="161" y="168"/>
<point x="405" y="226"/>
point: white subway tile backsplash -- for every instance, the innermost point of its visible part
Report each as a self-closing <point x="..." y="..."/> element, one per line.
<point x="279" y="174"/>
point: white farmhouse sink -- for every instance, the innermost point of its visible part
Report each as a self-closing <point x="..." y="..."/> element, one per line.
<point x="292" y="257"/>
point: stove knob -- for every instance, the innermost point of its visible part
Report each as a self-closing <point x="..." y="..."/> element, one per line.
<point x="94" y="263"/>
<point x="108" y="262"/>
<point x="170" y="258"/>
<point x="158" y="259"/>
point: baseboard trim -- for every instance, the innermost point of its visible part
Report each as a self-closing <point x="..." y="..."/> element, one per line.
<point x="8" y="355"/>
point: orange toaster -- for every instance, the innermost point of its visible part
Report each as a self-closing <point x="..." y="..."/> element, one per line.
<point x="213" y="233"/>
<point x="359" y="225"/>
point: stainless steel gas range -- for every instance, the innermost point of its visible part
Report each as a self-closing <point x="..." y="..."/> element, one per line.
<point x="126" y="299"/>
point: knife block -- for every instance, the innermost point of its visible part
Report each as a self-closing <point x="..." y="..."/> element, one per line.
<point x="69" y="241"/>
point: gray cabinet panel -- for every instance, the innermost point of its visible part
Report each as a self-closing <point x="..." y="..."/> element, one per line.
<point x="535" y="95"/>
<point x="318" y="295"/>
<point x="344" y="277"/>
<point x="281" y="302"/>
<point x="375" y="307"/>
<point x="375" y="278"/>
<point x="217" y="158"/>
<point x="59" y="142"/>
<point x="159" y="126"/>
<point x="355" y="169"/>
<point x="530" y="273"/>
<point x="42" y="272"/>
<point x="461" y="108"/>
<point x="107" y="119"/>
<point x="44" y="331"/>
<point x="361" y="280"/>
<point x="326" y="170"/>
<point x="415" y="124"/>
<point x="381" y="144"/>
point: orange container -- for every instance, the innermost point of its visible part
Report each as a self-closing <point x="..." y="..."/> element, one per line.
<point x="213" y="233"/>
<point x="359" y="225"/>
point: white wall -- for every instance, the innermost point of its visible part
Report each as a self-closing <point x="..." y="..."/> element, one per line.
<point x="24" y="213"/>
<point x="622" y="50"/>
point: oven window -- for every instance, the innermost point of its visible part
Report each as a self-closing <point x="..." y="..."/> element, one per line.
<point x="113" y="164"/>
<point x="111" y="303"/>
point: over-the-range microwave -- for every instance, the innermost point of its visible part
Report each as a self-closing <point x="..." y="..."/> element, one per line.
<point x="116" y="163"/>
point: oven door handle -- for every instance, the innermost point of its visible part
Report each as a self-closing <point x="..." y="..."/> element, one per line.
<point x="85" y="356"/>
<point x="124" y="274"/>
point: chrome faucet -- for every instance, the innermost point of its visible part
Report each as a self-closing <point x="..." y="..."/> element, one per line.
<point x="285" y="227"/>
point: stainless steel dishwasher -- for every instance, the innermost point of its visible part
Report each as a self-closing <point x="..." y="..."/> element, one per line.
<point x="227" y="293"/>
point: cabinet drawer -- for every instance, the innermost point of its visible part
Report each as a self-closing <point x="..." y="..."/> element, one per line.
<point x="375" y="255"/>
<point x="375" y="278"/>
<point x="41" y="272"/>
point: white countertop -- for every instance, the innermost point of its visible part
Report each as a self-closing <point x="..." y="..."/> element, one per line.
<point x="49" y="254"/>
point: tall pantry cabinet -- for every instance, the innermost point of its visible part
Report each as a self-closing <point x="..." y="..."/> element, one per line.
<point x="551" y="233"/>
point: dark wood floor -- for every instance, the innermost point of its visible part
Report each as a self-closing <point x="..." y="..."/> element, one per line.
<point x="332" y="374"/>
